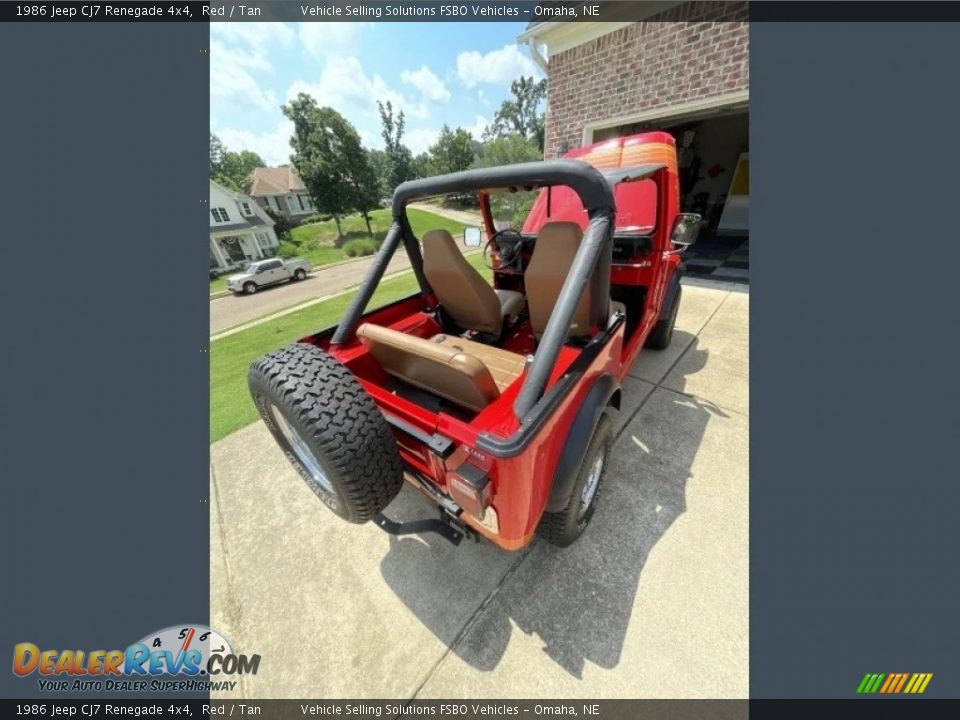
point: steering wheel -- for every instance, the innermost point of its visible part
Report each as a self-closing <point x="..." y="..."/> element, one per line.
<point x="507" y="253"/>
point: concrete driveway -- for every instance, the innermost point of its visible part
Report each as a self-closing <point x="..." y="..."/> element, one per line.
<point x="651" y="602"/>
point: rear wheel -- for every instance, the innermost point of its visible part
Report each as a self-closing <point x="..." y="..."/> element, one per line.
<point x="329" y="428"/>
<point x="563" y="527"/>
<point x="662" y="333"/>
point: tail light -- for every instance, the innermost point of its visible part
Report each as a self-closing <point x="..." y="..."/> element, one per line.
<point x="469" y="487"/>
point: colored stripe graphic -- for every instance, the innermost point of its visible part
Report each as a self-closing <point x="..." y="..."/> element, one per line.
<point x="894" y="683"/>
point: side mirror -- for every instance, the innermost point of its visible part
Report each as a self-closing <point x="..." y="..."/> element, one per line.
<point x="471" y="237"/>
<point x="685" y="230"/>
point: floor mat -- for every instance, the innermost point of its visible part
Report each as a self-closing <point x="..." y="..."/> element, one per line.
<point x="720" y="259"/>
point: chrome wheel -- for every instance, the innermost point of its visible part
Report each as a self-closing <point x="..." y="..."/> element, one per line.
<point x="590" y="487"/>
<point x="302" y="450"/>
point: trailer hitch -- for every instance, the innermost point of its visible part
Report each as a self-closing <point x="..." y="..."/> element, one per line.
<point x="443" y="528"/>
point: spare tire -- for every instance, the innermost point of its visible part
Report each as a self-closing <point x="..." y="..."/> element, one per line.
<point x="329" y="428"/>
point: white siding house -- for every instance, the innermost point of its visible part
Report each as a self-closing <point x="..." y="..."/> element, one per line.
<point x="240" y="231"/>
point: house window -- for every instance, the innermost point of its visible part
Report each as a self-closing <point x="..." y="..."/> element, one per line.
<point x="263" y="240"/>
<point x="246" y="208"/>
<point x="220" y="214"/>
<point x="302" y="206"/>
<point x="272" y="201"/>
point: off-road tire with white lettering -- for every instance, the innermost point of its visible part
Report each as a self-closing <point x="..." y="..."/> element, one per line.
<point x="337" y="423"/>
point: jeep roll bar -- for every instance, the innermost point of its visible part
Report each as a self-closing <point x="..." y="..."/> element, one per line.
<point x="595" y="190"/>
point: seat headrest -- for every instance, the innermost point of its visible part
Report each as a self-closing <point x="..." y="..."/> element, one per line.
<point x="564" y="237"/>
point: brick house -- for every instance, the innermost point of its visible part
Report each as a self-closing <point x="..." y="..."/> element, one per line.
<point x="681" y="67"/>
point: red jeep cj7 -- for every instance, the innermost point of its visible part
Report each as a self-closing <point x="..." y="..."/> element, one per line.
<point x="493" y="402"/>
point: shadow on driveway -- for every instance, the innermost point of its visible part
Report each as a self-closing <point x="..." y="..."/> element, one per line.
<point x="577" y="600"/>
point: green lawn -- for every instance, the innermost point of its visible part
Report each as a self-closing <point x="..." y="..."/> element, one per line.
<point x="325" y="235"/>
<point x="230" y="405"/>
<point x="218" y="283"/>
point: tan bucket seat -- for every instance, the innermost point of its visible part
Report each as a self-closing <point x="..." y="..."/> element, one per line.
<point x="557" y="246"/>
<point x="467" y="373"/>
<point x="462" y="291"/>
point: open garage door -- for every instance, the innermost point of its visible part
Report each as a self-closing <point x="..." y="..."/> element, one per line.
<point x="714" y="166"/>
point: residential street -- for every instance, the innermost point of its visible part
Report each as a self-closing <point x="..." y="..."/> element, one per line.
<point x="651" y="602"/>
<point x="231" y="310"/>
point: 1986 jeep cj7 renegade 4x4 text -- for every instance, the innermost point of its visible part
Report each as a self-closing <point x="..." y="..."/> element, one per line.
<point x="493" y="402"/>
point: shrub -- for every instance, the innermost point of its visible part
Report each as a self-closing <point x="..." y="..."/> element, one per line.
<point x="288" y="250"/>
<point x="315" y="218"/>
<point x="360" y="247"/>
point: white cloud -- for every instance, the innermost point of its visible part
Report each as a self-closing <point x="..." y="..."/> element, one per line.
<point x="479" y="125"/>
<point x="231" y="81"/>
<point x="327" y="39"/>
<point x="344" y="86"/>
<point x="273" y="146"/>
<point x="430" y="86"/>
<point x="237" y="52"/>
<point x="497" y="67"/>
<point x="420" y="139"/>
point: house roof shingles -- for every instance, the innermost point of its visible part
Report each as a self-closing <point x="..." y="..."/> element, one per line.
<point x="275" y="181"/>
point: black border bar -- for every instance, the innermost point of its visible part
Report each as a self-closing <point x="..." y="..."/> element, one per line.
<point x="515" y="11"/>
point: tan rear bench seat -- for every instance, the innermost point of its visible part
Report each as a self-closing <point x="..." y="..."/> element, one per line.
<point x="464" y="372"/>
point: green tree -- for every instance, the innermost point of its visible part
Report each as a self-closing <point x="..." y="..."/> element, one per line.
<point x="314" y="158"/>
<point x="523" y="115"/>
<point x="359" y="173"/>
<point x="452" y="152"/>
<point x="331" y="161"/>
<point x="217" y="151"/>
<point x="232" y="169"/>
<point x="398" y="155"/>
<point x="421" y="165"/>
<point x="281" y="226"/>
<point x="381" y="166"/>
<point x="510" y="208"/>
<point x="508" y="150"/>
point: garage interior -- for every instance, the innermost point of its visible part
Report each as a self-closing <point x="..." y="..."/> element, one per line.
<point x="714" y="167"/>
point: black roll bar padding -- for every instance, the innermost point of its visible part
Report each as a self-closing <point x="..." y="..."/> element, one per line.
<point x="589" y="183"/>
<point x="596" y="239"/>
<point x="415" y="254"/>
<point x="348" y="326"/>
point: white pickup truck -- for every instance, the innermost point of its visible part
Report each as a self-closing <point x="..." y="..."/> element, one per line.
<point x="267" y="272"/>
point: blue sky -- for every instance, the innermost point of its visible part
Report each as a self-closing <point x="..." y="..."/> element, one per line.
<point x="453" y="73"/>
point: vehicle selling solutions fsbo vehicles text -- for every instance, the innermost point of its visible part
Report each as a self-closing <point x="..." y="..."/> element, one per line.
<point x="389" y="11"/>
